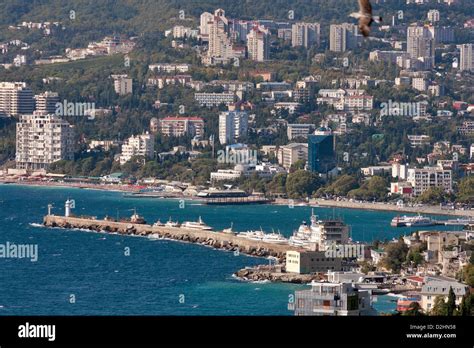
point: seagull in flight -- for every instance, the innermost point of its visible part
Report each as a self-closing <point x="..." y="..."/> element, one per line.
<point x="365" y="17"/>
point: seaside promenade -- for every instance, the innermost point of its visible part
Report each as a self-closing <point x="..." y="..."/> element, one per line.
<point x="345" y="204"/>
<point x="434" y="210"/>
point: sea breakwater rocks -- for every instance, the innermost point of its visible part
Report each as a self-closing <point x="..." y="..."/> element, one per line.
<point x="211" y="239"/>
<point x="258" y="275"/>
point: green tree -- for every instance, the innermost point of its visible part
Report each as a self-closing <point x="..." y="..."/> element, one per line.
<point x="451" y="304"/>
<point x="278" y="184"/>
<point x="439" y="307"/>
<point x="466" y="190"/>
<point x="374" y="189"/>
<point x="340" y="187"/>
<point x="468" y="275"/>
<point x="466" y="308"/>
<point x="415" y="256"/>
<point x="302" y="184"/>
<point x="298" y="165"/>
<point x="396" y="256"/>
<point x="366" y="267"/>
<point x="433" y="195"/>
<point x="414" y="310"/>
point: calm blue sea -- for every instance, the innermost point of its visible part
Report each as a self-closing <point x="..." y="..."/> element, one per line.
<point x="84" y="273"/>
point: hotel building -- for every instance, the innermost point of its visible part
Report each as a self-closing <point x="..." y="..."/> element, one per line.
<point x="15" y="99"/>
<point x="232" y="126"/>
<point x="140" y="145"/>
<point x="428" y="177"/>
<point x="41" y="140"/>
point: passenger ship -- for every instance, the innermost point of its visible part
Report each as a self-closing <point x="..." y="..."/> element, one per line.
<point x="320" y="233"/>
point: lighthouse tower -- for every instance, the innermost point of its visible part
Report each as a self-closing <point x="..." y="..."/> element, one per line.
<point x="67" y="208"/>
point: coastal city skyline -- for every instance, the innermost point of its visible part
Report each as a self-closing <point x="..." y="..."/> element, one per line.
<point x="314" y="158"/>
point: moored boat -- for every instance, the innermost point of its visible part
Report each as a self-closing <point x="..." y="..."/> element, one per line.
<point x="197" y="225"/>
<point x="172" y="223"/>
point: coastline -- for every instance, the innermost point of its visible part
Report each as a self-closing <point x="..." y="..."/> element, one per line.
<point x="431" y="210"/>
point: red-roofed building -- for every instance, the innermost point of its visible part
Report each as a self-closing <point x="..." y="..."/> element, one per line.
<point x="416" y="281"/>
<point x="459" y="105"/>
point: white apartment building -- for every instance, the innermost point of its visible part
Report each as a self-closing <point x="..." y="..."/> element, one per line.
<point x="419" y="140"/>
<point x="399" y="171"/>
<point x="123" y="85"/>
<point x="15" y="99"/>
<point x="46" y="102"/>
<point x="305" y="34"/>
<point x="106" y="145"/>
<point x="471" y="152"/>
<point x="163" y="81"/>
<point x="466" y="128"/>
<point x="258" y="45"/>
<point x="140" y="145"/>
<point x="299" y="130"/>
<point x="226" y="175"/>
<point x="181" y="126"/>
<point x="204" y="28"/>
<point x="180" y="31"/>
<point x="420" y="84"/>
<point x="232" y="126"/>
<point x="358" y="103"/>
<point x="41" y="140"/>
<point x="214" y="99"/>
<point x="428" y="177"/>
<point x="467" y="57"/>
<point x="292" y="153"/>
<point x="375" y="170"/>
<point x="421" y="44"/>
<point x="263" y="170"/>
<point x="440" y="287"/>
<point x="221" y="48"/>
<point x="343" y="37"/>
<point x="433" y="16"/>
<point x="169" y="68"/>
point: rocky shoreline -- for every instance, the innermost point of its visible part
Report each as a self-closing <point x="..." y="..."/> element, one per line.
<point x="275" y="274"/>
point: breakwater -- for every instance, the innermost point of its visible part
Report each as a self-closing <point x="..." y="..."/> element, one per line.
<point x="217" y="240"/>
<point x="265" y="273"/>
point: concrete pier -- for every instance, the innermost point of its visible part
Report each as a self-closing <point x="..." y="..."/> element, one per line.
<point x="218" y="240"/>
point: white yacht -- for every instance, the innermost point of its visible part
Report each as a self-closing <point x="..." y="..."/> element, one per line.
<point x="171" y="223"/>
<point x="230" y="229"/>
<point x="275" y="238"/>
<point x="412" y="221"/>
<point x="400" y="221"/>
<point x="420" y="221"/>
<point x="158" y="224"/>
<point x="252" y="235"/>
<point x="196" y="225"/>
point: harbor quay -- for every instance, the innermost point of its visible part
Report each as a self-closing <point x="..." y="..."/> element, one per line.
<point x="218" y="240"/>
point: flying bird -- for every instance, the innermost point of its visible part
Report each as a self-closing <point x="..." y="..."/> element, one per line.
<point x="365" y="17"/>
